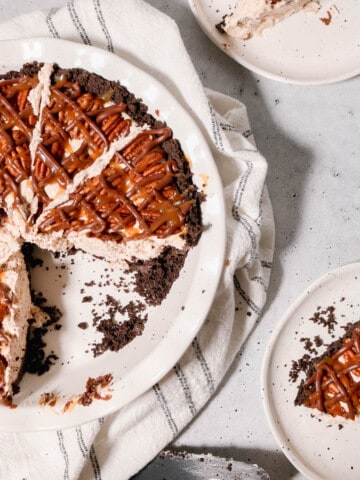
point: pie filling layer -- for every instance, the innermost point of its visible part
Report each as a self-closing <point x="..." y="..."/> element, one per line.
<point x="252" y="17"/>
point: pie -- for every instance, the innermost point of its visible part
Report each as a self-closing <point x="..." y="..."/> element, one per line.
<point x="85" y="166"/>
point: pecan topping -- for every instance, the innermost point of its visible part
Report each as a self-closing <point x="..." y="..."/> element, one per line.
<point x="136" y="195"/>
<point x="334" y="387"/>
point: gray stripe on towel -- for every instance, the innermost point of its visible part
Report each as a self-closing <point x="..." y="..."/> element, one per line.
<point x="65" y="455"/>
<point x="204" y="365"/>
<point x="104" y="28"/>
<point x="165" y="408"/>
<point x="85" y="453"/>
<point x="245" y="296"/>
<point x="50" y="23"/>
<point x="217" y="136"/>
<point x="240" y="191"/>
<point x="76" y="21"/>
<point x="95" y="463"/>
<point x="186" y="389"/>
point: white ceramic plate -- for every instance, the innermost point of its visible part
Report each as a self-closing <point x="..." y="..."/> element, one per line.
<point x="317" y="444"/>
<point x="299" y="50"/>
<point x="170" y="327"/>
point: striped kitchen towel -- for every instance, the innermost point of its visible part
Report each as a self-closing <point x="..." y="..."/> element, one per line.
<point x="118" y="446"/>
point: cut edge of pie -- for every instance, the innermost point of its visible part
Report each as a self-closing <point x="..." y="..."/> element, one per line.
<point x="251" y="17"/>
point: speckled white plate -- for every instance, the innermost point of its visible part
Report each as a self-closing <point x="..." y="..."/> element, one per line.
<point x="299" y="50"/>
<point x="67" y="283"/>
<point x="319" y="446"/>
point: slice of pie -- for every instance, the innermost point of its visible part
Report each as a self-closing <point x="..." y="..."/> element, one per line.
<point x="333" y="382"/>
<point x="16" y="310"/>
<point x="251" y="17"/>
<point x="84" y="165"/>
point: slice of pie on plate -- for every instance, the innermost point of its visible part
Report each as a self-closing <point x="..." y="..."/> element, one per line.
<point x="251" y="17"/>
<point x="333" y="382"/>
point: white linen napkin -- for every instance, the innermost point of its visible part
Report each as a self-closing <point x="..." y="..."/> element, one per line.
<point x="118" y="446"/>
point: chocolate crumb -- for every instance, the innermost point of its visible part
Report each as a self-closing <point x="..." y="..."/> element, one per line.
<point x="87" y="299"/>
<point x="116" y="335"/>
<point x="308" y="345"/>
<point x="31" y="260"/>
<point x="325" y="317"/>
<point x="36" y="361"/>
<point x="154" y="278"/>
<point x="83" y="325"/>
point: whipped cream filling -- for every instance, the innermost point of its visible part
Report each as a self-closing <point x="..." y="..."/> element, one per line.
<point x="9" y="244"/>
<point x="252" y="17"/>
<point x="14" y="326"/>
<point x="121" y="255"/>
<point x="39" y="99"/>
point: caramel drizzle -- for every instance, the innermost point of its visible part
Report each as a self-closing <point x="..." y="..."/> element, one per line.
<point x="51" y="163"/>
<point x="135" y="196"/>
<point x="71" y="118"/>
<point x="4" y="301"/>
<point x="47" y="158"/>
<point x="15" y="134"/>
<point x="333" y="387"/>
